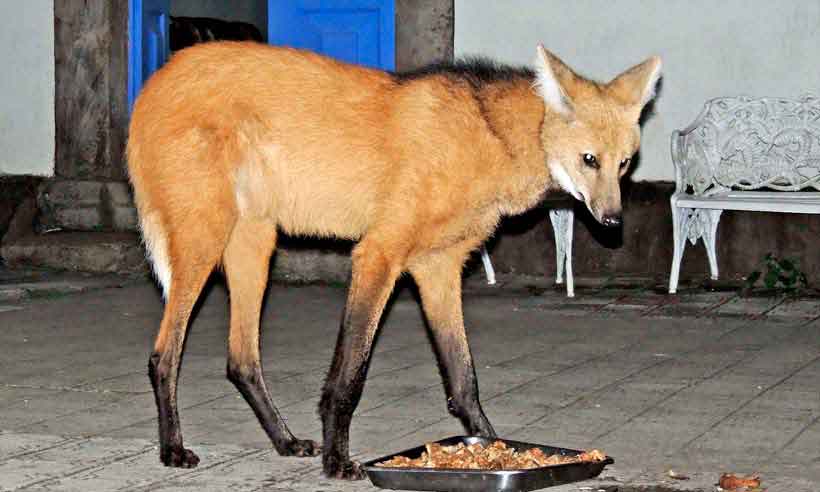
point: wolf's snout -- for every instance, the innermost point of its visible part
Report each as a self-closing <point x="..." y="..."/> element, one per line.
<point x="611" y="220"/>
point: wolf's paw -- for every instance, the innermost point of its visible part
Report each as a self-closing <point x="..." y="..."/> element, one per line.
<point x="346" y="470"/>
<point x="178" y="457"/>
<point x="300" y="447"/>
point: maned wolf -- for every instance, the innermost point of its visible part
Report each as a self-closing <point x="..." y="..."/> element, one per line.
<point x="231" y="142"/>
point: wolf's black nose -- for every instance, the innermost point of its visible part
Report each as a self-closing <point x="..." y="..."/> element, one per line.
<point x="611" y="220"/>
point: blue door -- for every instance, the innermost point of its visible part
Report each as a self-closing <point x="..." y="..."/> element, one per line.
<point x="149" y="45"/>
<point x="355" y="31"/>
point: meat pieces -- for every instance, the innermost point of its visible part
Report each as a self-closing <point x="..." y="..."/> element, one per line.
<point x="496" y="456"/>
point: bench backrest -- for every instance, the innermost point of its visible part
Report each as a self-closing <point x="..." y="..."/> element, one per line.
<point x="746" y="143"/>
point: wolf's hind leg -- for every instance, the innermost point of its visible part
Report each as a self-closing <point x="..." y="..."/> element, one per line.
<point x="192" y="260"/>
<point x="246" y="261"/>
<point x="438" y="277"/>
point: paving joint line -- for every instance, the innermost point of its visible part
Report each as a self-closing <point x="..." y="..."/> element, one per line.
<point x="668" y="397"/>
<point x="85" y="469"/>
<point x="68" y="389"/>
<point x="66" y="440"/>
<point x="664" y="302"/>
<point x="747" y="402"/>
<point x="770" y="309"/>
<point x="794" y="438"/>
<point x="594" y="391"/>
<point x="533" y="353"/>
<point x="567" y="368"/>
<point x="712" y="309"/>
<point x="200" y="469"/>
<point x="108" y="378"/>
<point x="137" y="423"/>
<point x="398" y="398"/>
<point x="619" y="380"/>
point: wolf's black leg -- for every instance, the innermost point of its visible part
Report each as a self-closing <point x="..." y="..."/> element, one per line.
<point x="246" y="260"/>
<point x="439" y="280"/>
<point x="163" y="376"/>
<point x="371" y="284"/>
<point x="251" y="384"/>
<point x="163" y="365"/>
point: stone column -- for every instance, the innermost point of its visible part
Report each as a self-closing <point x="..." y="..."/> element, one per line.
<point x="90" y="190"/>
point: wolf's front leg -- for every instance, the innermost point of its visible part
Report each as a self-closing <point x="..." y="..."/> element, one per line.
<point x="438" y="277"/>
<point x="374" y="274"/>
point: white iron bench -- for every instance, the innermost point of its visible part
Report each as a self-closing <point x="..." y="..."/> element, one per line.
<point x="743" y="153"/>
<point x="562" y="217"/>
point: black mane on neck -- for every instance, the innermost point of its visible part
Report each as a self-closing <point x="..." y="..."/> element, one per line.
<point x="477" y="71"/>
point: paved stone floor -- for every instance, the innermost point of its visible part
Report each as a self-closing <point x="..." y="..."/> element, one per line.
<point x="701" y="383"/>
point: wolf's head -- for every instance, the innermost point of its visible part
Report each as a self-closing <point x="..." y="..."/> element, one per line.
<point x="590" y="138"/>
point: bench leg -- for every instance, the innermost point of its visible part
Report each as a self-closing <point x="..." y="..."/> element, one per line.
<point x="692" y="224"/>
<point x="680" y="231"/>
<point x="488" y="266"/>
<point x="562" y="222"/>
<point x="710" y="239"/>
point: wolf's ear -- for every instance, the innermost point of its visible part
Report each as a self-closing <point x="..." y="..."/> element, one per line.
<point x="636" y="86"/>
<point x="551" y="79"/>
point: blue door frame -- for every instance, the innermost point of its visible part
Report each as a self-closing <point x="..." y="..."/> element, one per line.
<point x="148" y="42"/>
<point x="355" y="31"/>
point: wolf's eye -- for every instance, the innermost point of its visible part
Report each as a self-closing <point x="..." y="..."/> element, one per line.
<point x="625" y="163"/>
<point x="590" y="160"/>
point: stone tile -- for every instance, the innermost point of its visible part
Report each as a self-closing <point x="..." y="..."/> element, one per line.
<point x="34" y="372"/>
<point x="15" y="395"/>
<point x="44" y="405"/>
<point x="96" y="419"/>
<point x="640" y="388"/>
<point x="141" y="468"/>
<point x="801" y="447"/>
<point x="702" y="299"/>
<point x="21" y="472"/>
<point x="733" y="437"/>
<point x="260" y="470"/>
<point x="797" y="309"/>
<point x="88" y="453"/>
<point x="13" y="444"/>
<point x="691" y="305"/>
<point x="142" y="430"/>
<point x="747" y="307"/>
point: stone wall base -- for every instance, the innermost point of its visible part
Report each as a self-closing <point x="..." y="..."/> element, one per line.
<point x="122" y="253"/>
<point x="85" y="205"/>
<point x="522" y="245"/>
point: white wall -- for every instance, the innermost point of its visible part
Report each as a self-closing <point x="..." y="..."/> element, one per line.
<point x="27" y="87"/>
<point x="709" y="49"/>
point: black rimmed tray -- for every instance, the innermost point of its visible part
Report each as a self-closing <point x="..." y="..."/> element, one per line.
<point x="453" y="480"/>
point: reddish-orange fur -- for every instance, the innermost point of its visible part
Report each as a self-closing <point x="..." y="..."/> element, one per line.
<point x="230" y="141"/>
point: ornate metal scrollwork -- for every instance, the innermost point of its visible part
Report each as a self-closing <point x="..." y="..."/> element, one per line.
<point x="750" y="143"/>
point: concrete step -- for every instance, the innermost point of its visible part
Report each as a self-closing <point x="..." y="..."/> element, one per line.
<point x="59" y="284"/>
<point x="97" y="252"/>
<point x="122" y="253"/>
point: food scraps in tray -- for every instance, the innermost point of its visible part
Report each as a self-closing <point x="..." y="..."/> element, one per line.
<point x="496" y="456"/>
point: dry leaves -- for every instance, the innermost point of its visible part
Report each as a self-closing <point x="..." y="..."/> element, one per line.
<point x="676" y="475"/>
<point x="733" y="483"/>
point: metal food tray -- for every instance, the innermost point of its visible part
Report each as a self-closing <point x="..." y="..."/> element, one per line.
<point x="458" y="480"/>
